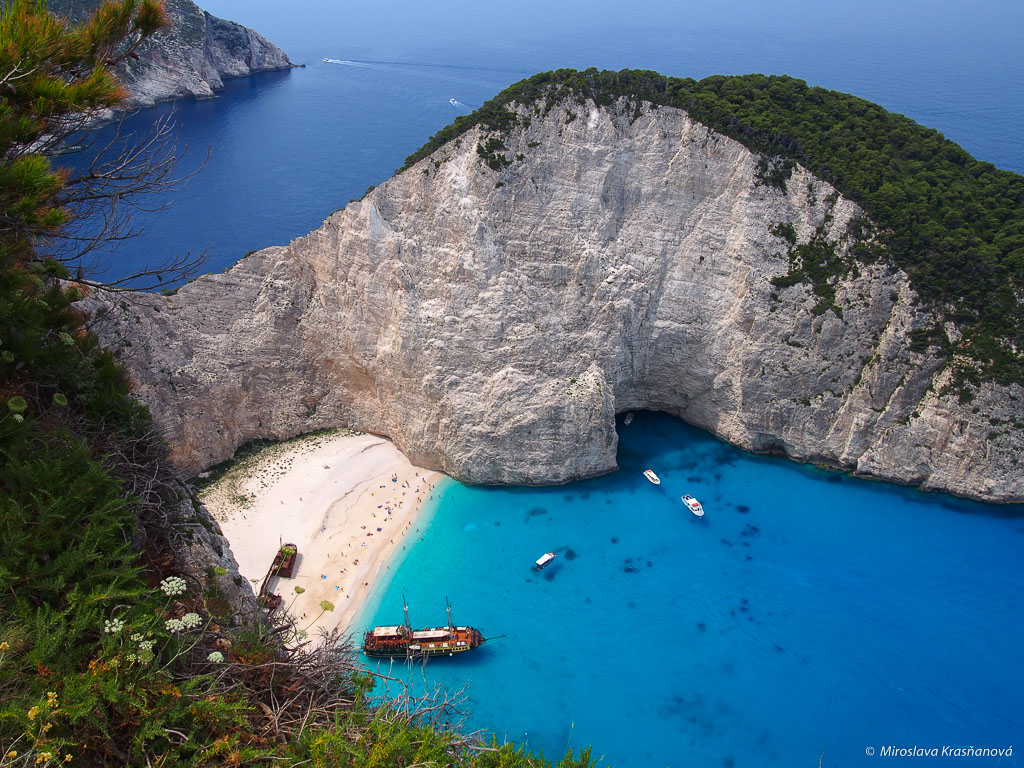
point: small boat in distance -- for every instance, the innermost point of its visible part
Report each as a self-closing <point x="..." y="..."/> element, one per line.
<point x="454" y="102"/>
<point x="403" y="642"/>
<point x="693" y="505"/>
<point x="545" y="560"/>
<point x="649" y="474"/>
<point x="628" y="420"/>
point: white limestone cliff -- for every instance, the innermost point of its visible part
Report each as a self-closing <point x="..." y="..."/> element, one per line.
<point x="191" y="57"/>
<point x="493" y="323"/>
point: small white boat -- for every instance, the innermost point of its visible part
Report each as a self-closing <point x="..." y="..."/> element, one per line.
<point x="545" y="560"/>
<point x="453" y="102"/>
<point x="628" y="420"/>
<point x="693" y="505"/>
<point x="649" y="474"/>
<point x="326" y="59"/>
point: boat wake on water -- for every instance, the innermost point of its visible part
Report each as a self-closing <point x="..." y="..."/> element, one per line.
<point x="460" y="105"/>
<point x="347" y="62"/>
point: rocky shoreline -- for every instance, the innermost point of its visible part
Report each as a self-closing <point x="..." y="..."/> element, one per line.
<point x="189" y="59"/>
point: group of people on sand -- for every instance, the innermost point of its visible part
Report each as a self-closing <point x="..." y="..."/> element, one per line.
<point x="388" y="507"/>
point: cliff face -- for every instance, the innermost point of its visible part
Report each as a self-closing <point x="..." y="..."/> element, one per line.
<point x="192" y="57"/>
<point x="493" y="323"/>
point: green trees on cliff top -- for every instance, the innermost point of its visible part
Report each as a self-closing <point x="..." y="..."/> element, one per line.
<point x="953" y="223"/>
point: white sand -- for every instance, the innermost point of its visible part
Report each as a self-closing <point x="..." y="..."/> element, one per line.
<point x="328" y="494"/>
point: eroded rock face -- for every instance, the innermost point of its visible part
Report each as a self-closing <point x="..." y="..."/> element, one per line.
<point x="492" y="323"/>
<point x="192" y="57"/>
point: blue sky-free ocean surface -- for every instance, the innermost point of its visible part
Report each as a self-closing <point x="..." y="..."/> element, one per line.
<point x="289" y="148"/>
<point x="808" y="613"/>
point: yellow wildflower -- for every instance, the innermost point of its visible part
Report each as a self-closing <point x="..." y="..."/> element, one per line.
<point x="46" y="728"/>
<point x="32" y="713"/>
<point x="51" y="698"/>
<point x="43" y="757"/>
<point x="12" y="754"/>
<point x="4" y="646"/>
<point x="67" y="758"/>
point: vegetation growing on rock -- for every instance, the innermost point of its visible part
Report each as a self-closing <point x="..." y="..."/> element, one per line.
<point x="953" y="223"/>
<point x="109" y="653"/>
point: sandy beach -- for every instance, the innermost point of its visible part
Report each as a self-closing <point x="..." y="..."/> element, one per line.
<point x="348" y="501"/>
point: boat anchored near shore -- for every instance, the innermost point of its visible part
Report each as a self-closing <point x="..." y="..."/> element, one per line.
<point x="403" y="641"/>
<point x="545" y="560"/>
<point x="693" y="505"/>
<point x="649" y="474"/>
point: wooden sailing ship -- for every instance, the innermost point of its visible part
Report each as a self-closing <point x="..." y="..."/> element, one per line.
<point x="402" y="641"/>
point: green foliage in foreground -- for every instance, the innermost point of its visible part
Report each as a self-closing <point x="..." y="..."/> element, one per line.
<point x="953" y="223"/>
<point x="108" y="657"/>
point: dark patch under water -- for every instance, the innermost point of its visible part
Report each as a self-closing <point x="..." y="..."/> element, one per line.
<point x="630" y="565"/>
<point x="535" y="512"/>
<point x="742" y="509"/>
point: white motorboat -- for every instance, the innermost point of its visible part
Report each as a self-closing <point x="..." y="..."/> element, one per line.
<point x="545" y="560"/>
<point x="649" y="474"/>
<point x="693" y="505"/>
<point x="628" y="420"/>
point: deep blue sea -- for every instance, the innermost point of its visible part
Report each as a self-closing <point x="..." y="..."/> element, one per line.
<point x="808" y="612"/>
<point x="289" y="148"/>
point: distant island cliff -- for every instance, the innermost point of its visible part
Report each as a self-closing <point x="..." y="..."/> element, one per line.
<point x="568" y="257"/>
<point x="191" y="58"/>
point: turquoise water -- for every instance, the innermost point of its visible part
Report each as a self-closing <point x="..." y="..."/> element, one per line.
<point x="807" y="612"/>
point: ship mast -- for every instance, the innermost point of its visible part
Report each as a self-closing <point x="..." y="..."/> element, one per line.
<point x="449" y="605"/>
<point x="405" y="604"/>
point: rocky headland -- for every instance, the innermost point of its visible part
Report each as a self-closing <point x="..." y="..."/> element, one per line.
<point x="493" y="321"/>
<point x="189" y="59"/>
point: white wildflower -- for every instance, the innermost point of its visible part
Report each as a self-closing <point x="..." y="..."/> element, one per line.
<point x="174" y="625"/>
<point x="147" y="645"/>
<point x="216" y="657"/>
<point x="66" y="338"/>
<point x="172" y="586"/>
<point x="136" y="637"/>
<point x="113" y="626"/>
<point x="191" y="620"/>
